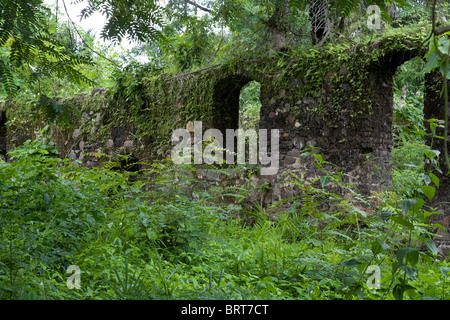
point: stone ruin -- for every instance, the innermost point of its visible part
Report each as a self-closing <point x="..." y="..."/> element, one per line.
<point x="338" y="100"/>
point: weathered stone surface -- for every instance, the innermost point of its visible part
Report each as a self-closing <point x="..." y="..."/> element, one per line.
<point x="110" y="143"/>
<point x="76" y="133"/>
<point x="190" y="126"/>
<point x="128" y="144"/>
<point x="289" y="160"/>
<point x="72" y="155"/>
<point x="85" y="118"/>
<point x="294" y="153"/>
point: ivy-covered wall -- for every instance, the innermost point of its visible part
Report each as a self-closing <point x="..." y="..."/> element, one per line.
<point x="337" y="98"/>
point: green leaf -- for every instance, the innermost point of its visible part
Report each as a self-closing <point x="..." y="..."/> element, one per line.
<point x="411" y="272"/>
<point x="429" y="191"/>
<point x="444" y="45"/>
<point x="413" y="257"/>
<point x="398" y="292"/>
<point x="445" y="271"/>
<point x="442" y="70"/>
<point x="433" y="61"/>
<point x="432" y="46"/>
<point x="403" y="222"/>
<point x="386" y="215"/>
<point x="440" y="226"/>
<point x="361" y="212"/>
<point x="350" y="263"/>
<point x="319" y="157"/>
<point x="411" y="253"/>
<point x="408" y="204"/>
<point x="379" y="246"/>
<point x="426" y="178"/>
<point x="431" y="246"/>
<point x="324" y="181"/>
<point x="435" y="179"/>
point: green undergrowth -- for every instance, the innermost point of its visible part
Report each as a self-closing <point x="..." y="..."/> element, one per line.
<point x="167" y="236"/>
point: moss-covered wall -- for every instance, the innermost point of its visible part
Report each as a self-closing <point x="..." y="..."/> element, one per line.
<point x="338" y="98"/>
<point x="434" y="108"/>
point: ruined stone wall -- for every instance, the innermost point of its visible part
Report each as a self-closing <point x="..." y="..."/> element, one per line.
<point x="336" y="99"/>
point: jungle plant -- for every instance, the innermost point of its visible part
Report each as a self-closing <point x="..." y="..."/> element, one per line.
<point x="30" y="46"/>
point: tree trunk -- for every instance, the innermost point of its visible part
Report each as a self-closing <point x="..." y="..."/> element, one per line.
<point x="278" y="25"/>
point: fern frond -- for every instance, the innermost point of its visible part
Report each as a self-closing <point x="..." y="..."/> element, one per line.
<point x="7" y="79"/>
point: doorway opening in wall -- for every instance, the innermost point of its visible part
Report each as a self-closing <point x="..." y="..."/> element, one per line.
<point x="249" y="111"/>
<point x="408" y="122"/>
<point x="250" y="106"/>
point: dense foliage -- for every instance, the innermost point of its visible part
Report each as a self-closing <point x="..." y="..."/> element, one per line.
<point x="149" y="239"/>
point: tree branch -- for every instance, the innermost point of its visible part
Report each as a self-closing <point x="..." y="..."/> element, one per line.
<point x="442" y="30"/>
<point x="198" y="6"/>
<point x="82" y="39"/>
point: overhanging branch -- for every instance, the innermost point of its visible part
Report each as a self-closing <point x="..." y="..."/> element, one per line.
<point x="198" y="6"/>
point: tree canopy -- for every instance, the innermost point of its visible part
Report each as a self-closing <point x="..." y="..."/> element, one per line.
<point x="181" y="34"/>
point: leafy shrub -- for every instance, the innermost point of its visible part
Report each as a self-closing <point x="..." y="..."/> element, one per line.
<point x="409" y="156"/>
<point x="45" y="213"/>
<point x="167" y="236"/>
<point x="408" y="116"/>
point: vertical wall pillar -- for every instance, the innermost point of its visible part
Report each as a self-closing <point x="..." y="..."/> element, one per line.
<point x="434" y="109"/>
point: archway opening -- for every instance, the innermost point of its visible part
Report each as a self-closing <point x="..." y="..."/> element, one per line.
<point x="408" y="126"/>
<point x="250" y="106"/>
<point x="227" y="118"/>
<point x="249" y="116"/>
